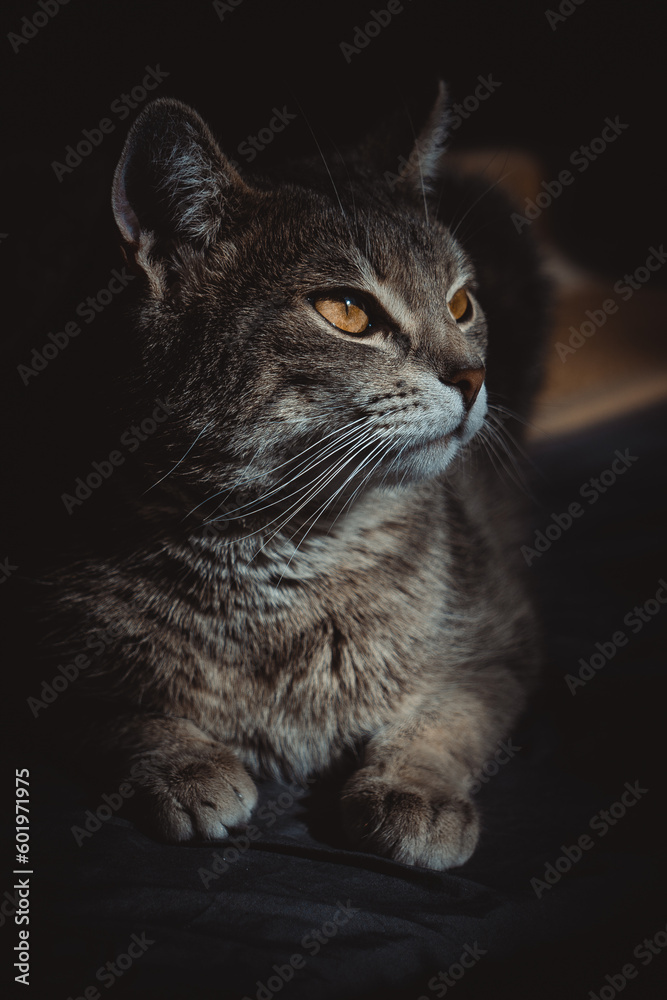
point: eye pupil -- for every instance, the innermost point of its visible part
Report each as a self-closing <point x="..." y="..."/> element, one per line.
<point x="343" y="313"/>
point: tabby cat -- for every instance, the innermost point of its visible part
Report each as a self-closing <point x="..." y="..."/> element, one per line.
<point x="326" y="563"/>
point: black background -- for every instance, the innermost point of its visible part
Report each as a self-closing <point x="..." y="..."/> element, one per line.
<point x="557" y="87"/>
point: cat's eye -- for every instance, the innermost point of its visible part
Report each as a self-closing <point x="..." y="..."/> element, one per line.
<point x="459" y="305"/>
<point x="344" y="312"/>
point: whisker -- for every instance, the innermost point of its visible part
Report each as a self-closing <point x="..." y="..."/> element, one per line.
<point x="515" y="416"/>
<point x="315" y="444"/>
<point x="477" y="200"/>
<point x="299" y="506"/>
<point x="331" y="450"/>
<point x="320" y="511"/>
<point x="354" y="204"/>
<point x="514" y="472"/>
<point x="503" y="460"/>
<point x="382" y="446"/>
<point x="353" y="436"/>
<point x="489" y="449"/>
<point x="350" y="499"/>
<point x="502" y="427"/>
<point x="319" y="150"/>
<point x="394" y="462"/>
<point x="179" y="461"/>
<point x="454" y="223"/>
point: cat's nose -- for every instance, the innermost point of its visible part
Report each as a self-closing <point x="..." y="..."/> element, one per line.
<point x="469" y="381"/>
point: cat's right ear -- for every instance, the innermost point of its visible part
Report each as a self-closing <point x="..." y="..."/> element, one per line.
<point x="420" y="174"/>
<point x="424" y="168"/>
<point x="172" y="184"/>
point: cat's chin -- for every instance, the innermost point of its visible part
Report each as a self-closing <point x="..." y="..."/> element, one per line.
<point x="426" y="459"/>
<point x="430" y="458"/>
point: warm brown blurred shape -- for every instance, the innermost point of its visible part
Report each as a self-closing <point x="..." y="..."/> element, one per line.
<point x="619" y="367"/>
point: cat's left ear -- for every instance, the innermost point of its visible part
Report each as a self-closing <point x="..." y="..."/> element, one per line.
<point x="424" y="166"/>
<point x="172" y="185"/>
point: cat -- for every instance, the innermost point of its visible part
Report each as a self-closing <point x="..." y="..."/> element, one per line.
<point x="324" y="563"/>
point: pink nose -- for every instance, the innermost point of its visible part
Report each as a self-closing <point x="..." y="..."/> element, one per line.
<point x="469" y="381"/>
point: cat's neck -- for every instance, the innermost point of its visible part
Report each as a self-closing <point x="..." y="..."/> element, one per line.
<point x="377" y="525"/>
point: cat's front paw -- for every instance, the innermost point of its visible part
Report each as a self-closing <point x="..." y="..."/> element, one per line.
<point x="413" y="824"/>
<point x="194" y="790"/>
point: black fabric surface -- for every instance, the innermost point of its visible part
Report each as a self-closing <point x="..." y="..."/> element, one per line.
<point x="224" y="936"/>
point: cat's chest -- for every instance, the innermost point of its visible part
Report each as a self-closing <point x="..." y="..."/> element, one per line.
<point x="307" y="651"/>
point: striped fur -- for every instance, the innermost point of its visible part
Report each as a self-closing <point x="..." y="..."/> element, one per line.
<point x="324" y="566"/>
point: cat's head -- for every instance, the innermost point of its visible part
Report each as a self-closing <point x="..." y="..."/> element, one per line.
<point x="315" y="334"/>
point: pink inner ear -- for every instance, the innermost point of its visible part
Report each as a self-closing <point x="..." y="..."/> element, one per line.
<point x="124" y="214"/>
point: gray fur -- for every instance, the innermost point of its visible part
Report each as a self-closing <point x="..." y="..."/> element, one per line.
<point x="270" y="627"/>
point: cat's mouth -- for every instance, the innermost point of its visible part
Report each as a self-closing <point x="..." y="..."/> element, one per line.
<point x="441" y="440"/>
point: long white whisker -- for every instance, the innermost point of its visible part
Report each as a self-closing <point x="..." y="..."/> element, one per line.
<point x="497" y="449"/>
<point x="320" y="511"/>
<point x="299" y="505"/>
<point x="500" y="423"/>
<point x="333" y="475"/>
<point x="319" y="150"/>
<point x="179" y="461"/>
<point x="497" y="419"/>
<point x="515" y="473"/>
<point x="353" y="437"/>
<point x="455" y="222"/>
<point x="350" y="499"/>
<point x="477" y="200"/>
<point x="315" y="444"/>
<point x="385" y="451"/>
<point x="489" y="449"/>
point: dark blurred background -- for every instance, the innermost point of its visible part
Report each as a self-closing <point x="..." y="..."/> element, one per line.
<point x="560" y="75"/>
<point x="557" y="74"/>
<point x="562" y="71"/>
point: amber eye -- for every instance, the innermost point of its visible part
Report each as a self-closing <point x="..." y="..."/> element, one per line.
<point x="459" y="304"/>
<point x="343" y="313"/>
